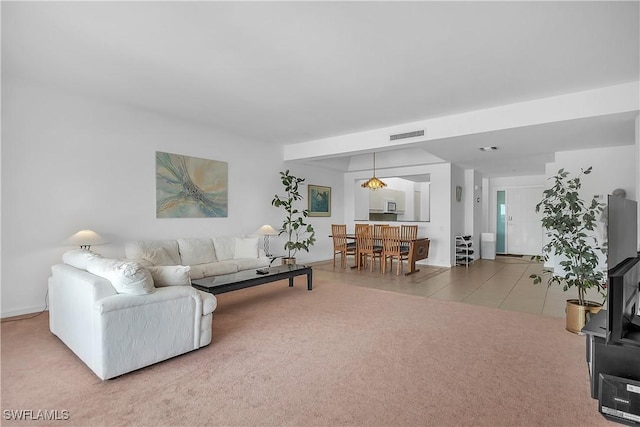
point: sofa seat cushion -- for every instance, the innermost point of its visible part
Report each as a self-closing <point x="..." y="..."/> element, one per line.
<point x="196" y="251"/>
<point x="199" y="271"/>
<point x="127" y="277"/>
<point x="251" y="263"/>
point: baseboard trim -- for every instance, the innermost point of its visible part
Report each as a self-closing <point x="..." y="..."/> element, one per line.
<point x="14" y="313"/>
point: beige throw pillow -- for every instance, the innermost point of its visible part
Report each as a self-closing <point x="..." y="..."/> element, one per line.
<point x="246" y="248"/>
<point x="127" y="277"/>
<point x="173" y="275"/>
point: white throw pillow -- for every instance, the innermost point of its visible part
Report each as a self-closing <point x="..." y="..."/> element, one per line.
<point x="173" y="275"/>
<point x="196" y="251"/>
<point x="224" y="247"/>
<point x="246" y="247"/>
<point x="78" y="258"/>
<point x="158" y="256"/>
<point x="127" y="277"/>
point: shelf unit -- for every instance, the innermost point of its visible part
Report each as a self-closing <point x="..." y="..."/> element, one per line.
<point x="464" y="251"/>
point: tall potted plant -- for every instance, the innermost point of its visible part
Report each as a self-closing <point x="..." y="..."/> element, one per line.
<point x="300" y="235"/>
<point x="570" y="225"/>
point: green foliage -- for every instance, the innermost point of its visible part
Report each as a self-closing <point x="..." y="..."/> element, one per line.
<point x="300" y="234"/>
<point x="570" y="224"/>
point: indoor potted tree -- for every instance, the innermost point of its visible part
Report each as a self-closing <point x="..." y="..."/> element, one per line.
<point x="570" y="226"/>
<point x="300" y="234"/>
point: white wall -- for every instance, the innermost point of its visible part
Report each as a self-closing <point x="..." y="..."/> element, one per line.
<point x="323" y="248"/>
<point x="472" y="195"/>
<point x="458" y="208"/>
<point x="438" y="229"/>
<point x="425" y="200"/>
<point x="70" y="163"/>
<point x="613" y="167"/>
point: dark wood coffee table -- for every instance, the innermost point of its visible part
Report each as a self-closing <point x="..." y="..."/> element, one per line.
<point x="245" y="279"/>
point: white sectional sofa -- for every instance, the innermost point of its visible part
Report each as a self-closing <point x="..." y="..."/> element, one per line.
<point x="121" y="315"/>
<point x="206" y="256"/>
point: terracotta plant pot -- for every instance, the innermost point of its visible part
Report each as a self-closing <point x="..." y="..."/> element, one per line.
<point x="577" y="314"/>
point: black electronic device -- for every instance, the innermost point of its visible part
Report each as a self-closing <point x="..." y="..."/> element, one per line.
<point x="623" y="298"/>
<point x="622" y="230"/>
<point x="623" y="290"/>
<point x="619" y="399"/>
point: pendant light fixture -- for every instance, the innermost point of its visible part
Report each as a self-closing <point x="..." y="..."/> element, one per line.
<point x="374" y="183"/>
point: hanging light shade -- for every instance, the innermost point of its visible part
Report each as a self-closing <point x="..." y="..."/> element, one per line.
<point x="373" y="183"/>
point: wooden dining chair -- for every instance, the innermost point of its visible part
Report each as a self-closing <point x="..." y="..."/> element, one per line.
<point x="408" y="232"/>
<point x="377" y="235"/>
<point x="392" y="249"/>
<point x="365" y="249"/>
<point x="361" y="226"/>
<point x="341" y="245"/>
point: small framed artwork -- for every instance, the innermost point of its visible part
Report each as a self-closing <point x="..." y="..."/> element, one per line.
<point x="319" y="200"/>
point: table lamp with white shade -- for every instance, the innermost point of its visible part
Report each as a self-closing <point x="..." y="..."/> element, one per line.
<point x="85" y="239"/>
<point x="266" y="231"/>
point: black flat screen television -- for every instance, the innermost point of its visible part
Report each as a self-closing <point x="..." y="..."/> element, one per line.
<point x="623" y="290"/>
<point x="623" y="294"/>
<point x="622" y="230"/>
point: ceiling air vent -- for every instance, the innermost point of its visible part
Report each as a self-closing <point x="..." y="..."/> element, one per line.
<point x="407" y="135"/>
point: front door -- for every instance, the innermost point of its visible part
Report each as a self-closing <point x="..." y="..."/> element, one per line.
<point x="524" y="226"/>
<point x="518" y="226"/>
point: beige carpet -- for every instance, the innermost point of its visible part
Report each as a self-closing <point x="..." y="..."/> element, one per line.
<point x="338" y="355"/>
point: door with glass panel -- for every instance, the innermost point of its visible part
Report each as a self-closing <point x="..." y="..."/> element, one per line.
<point x="518" y="226"/>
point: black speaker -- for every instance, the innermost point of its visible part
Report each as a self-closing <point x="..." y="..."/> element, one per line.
<point x="619" y="399"/>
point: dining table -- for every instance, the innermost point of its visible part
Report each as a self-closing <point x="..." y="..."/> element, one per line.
<point x="418" y="250"/>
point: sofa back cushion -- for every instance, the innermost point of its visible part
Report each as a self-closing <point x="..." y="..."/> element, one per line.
<point x="127" y="277"/>
<point x="157" y="252"/>
<point x="196" y="251"/>
<point x="225" y="247"/>
<point x="78" y="258"/>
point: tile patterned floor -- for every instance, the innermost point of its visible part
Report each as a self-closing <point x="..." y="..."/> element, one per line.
<point x="502" y="283"/>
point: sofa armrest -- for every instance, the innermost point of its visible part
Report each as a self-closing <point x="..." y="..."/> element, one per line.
<point x="132" y="331"/>
<point x="80" y="283"/>
<point x="125" y="301"/>
<point x="72" y="294"/>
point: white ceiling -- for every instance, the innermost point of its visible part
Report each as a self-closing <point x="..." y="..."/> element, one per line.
<point x="289" y="72"/>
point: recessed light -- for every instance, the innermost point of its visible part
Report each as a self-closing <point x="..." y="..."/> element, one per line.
<point x="488" y="148"/>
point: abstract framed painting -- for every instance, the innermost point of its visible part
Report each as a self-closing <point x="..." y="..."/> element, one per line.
<point x="319" y="200"/>
<point x="190" y="187"/>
